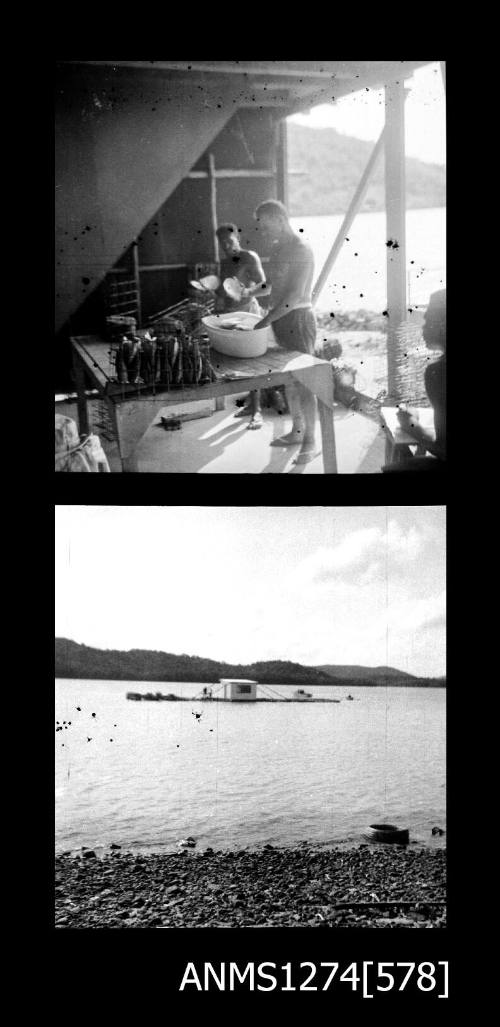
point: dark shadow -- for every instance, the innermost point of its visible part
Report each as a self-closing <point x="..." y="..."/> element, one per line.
<point x="366" y="465"/>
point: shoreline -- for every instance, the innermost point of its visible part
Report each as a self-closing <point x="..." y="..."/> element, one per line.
<point x="370" y="885"/>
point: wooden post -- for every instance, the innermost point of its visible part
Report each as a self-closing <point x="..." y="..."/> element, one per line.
<point x="282" y="163"/>
<point x="213" y="203"/>
<point x="220" y="402"/>
<point x="395" y="207"/>
<point x="81" y="399"/>
<point x="137" y="279"/>
<point x="354" y="206"/>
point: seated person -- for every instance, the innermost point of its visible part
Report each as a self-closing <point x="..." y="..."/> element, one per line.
<point x="246" y="267"/>
<point x="434" y="335"/>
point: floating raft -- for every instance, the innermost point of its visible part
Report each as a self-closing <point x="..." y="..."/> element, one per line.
<point x="170" y="697"/>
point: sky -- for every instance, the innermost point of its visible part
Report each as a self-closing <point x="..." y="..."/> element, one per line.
<point x="314" y="585"/>
<point x="362" y="115"/>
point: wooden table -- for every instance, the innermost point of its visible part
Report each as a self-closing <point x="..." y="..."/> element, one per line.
<point x="133" y="408"/>
<point x="398" y="441"/>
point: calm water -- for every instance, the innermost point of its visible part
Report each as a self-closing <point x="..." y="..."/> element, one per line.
<point x="245" y="775"/>
<point x="366" y="272"/>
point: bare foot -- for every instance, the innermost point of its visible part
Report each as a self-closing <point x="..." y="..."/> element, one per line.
<point x="307" y="453"/>
<point x="293" y="438"/>
<point x="256" y="422"/>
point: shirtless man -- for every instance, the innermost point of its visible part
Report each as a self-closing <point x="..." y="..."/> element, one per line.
<point x="291" y="271"/>
<point x="244" y="265"/>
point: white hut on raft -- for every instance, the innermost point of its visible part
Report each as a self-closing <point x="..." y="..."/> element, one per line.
<point x="239" y="689"/>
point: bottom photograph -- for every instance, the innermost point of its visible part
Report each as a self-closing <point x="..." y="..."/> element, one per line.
<point x="250" y="717"/>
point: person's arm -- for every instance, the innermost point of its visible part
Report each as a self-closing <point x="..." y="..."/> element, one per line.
<point x="252" y="277"/>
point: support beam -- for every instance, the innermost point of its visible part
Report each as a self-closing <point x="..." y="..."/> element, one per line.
<point x="244" y="173"/>
<point x="161" y="267"/>
<point x="213" y="202"/>
<point x="282" y="163"/>
<point x="395" y="207"/>
<point x="235" y="173"/>
<point x="354" y="206"/>
<point x="443" y="73"/>
<point x="137" y="279"/>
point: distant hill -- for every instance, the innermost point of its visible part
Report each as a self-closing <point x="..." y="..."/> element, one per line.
<point x="339" y="673"/>
<point x="73" y="660"/>
<point x="80" y="661"/>
<point x="334" y="164"/>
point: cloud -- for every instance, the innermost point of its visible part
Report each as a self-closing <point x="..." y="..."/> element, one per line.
<point x="368" y="553"/>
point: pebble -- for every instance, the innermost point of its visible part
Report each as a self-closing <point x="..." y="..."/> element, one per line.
<point x="290" y="887"/>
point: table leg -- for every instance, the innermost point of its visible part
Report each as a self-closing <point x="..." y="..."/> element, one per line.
<point x="327" y="437"/>
<point x="389" y="448"/>
<point x="323" y="389"/>
<point x="401" y="454"/>
<point x="81" y="401"/>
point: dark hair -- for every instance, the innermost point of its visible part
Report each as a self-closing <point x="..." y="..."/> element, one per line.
<point x="226" y="229"/>
<point x="274" y="208"/>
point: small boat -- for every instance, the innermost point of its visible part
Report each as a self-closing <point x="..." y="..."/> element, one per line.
<point x="300" y="694"/>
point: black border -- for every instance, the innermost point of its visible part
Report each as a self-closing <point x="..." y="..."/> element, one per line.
<point x="138" y="974"/>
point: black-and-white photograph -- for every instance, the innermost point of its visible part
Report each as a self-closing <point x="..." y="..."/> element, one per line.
<point x="250" y="717"/>
<point x="250" y="267"/>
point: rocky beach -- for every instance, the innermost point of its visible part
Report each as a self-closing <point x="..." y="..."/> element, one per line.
<point x="386" y="886"/>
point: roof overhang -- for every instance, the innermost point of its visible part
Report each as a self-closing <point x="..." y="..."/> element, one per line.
<point x="292" y="85"/>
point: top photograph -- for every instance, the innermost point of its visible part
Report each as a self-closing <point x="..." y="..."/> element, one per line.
<point x="250" y="267"/>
